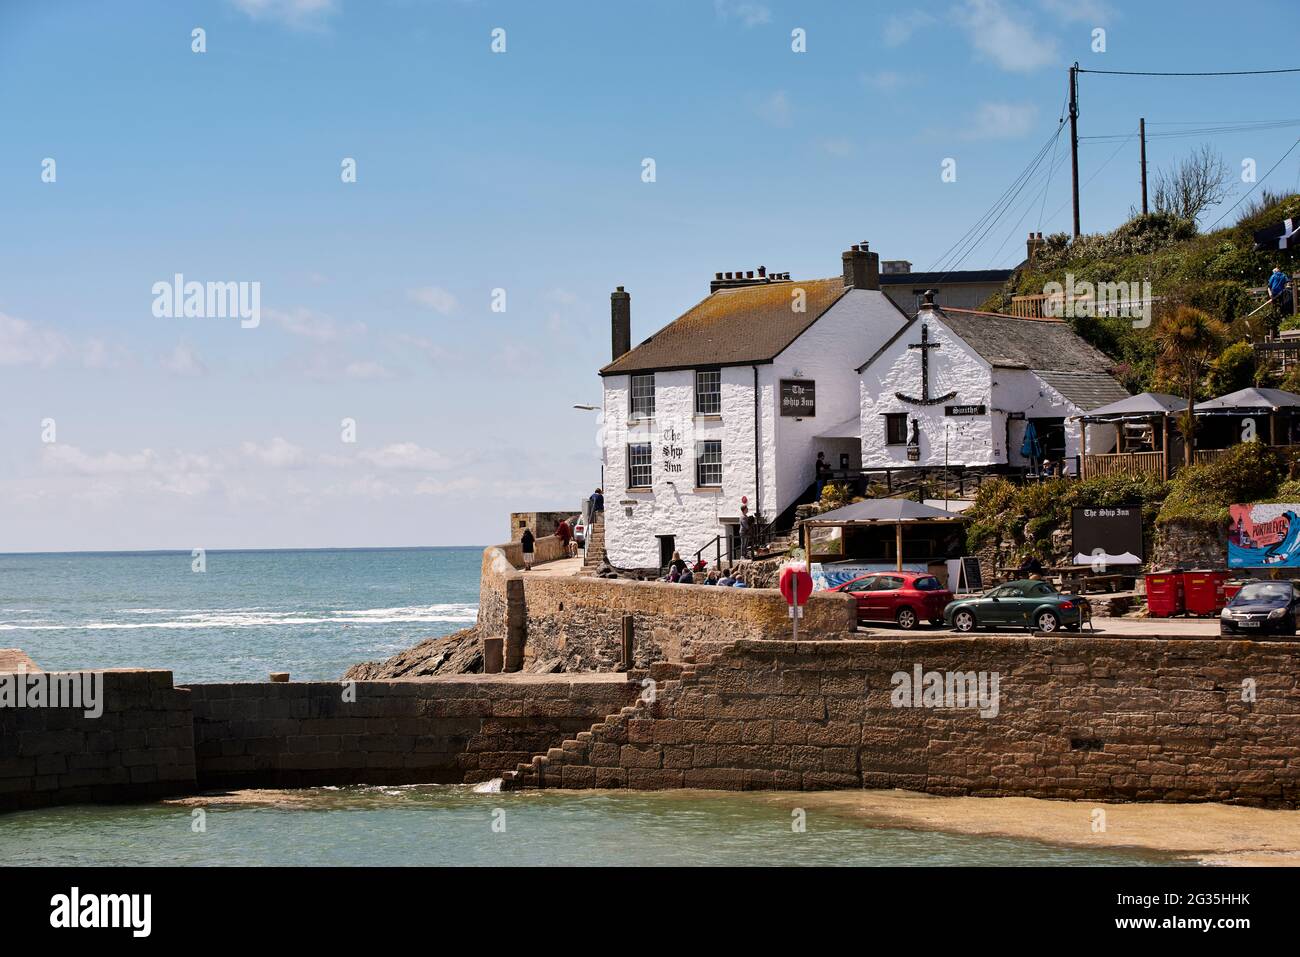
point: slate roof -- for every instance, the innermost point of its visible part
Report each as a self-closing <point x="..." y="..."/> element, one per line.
<point x="740" y="326"/>
<point x="1087" y="390"/>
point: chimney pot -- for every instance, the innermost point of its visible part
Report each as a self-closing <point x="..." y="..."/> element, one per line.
<point x="717" y="275"/>
<point x="750" y="274"/>
<point x="762" y="270"/>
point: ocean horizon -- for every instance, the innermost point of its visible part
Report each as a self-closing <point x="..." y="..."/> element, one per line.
<point x="312" y="612"/>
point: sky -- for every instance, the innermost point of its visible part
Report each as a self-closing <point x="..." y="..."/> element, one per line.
<point x="381" y="399"/>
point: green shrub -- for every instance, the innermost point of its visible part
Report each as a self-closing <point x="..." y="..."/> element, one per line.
<point x="1249" y="472"/>
<point x="1233" y="370"/>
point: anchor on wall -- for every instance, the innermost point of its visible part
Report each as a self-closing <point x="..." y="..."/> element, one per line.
<point x="925" y="345"/>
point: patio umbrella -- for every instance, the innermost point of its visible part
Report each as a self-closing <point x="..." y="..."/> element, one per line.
<point x="1030" y="448"/>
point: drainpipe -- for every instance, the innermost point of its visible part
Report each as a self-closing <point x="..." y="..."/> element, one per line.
<point x="758" y="468"/>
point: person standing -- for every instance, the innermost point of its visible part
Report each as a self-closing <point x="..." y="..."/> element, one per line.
<point x="823" y="471"/>
<point x="565" y="534"/>
<point x="746" y="532"/>
<point x="1280" y="296"/>
<point x="597" y="501"/>
<point x="526" y="542"/>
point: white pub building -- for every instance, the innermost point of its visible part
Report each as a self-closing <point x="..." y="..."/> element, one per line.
<point x="730" y="404"/>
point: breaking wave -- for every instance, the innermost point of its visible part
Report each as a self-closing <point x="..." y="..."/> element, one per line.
<point x="455" y="613"/>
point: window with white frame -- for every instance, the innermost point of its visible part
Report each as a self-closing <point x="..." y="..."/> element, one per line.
<point x="708" y="392"/>
<point x="643" y="396"/>
<point x="708" y="464"/>
<point x="638" y="465"/>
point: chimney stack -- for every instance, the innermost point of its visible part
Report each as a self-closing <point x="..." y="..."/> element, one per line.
<point x="861" y="267"/>
<point x="620" y="321"/>
<point x="1033" y="244"/>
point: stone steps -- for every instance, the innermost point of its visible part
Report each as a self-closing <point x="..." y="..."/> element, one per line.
<point x="613" y="730"/>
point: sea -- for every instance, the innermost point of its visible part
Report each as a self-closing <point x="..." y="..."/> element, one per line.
<point x="314" y="613"/>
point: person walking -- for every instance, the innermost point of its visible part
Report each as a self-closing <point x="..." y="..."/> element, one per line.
<point x="564" y="532"/>
<point x="526" y="542"/>
<point x="597" y="500"/>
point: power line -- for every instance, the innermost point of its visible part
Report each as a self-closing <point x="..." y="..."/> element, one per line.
<point x="1209" y="73"/>
<point x="1255" y="187"/>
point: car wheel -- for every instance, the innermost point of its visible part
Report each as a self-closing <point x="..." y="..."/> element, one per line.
<point x="964" y="621"/>
<point x="906" y="619"/>
<point x="1048" y="622"/>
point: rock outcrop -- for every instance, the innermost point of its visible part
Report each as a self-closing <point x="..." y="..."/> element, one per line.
<point x="460" y="653"/>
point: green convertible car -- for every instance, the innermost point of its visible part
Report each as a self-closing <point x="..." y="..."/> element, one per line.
<point x="1028" y="604"/>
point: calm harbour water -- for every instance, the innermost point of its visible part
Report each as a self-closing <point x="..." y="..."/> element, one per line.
<point x="314" y="613"/>
<point x="453" y="825"/>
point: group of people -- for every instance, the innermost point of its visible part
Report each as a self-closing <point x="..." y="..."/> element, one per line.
<point x="682" y="573"/>
<point x="565" y="531"/>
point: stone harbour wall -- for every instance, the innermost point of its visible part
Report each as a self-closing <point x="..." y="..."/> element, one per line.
<point x="462" y="729"/>
<point x="1123" y="719"/>
<point x="576" y="623"/>
<point x="140" y="747"/>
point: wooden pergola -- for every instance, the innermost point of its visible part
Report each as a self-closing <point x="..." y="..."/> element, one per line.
<point x="877" y="512"/>
<point x="1155" y="408"/>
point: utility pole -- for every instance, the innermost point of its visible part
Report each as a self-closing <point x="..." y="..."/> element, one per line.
<point x="1074" y="141"/>
<point x="1142" y="138"/>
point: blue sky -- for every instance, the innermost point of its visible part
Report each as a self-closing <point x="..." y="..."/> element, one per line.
<point x="479" y="171"/>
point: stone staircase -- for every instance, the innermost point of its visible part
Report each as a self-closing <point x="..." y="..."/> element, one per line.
<point x="594" y="553"/>
<point x="571" y="764"/>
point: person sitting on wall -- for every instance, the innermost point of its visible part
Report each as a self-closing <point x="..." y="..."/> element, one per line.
<point x="711" y="579"/>
<point x="726" y="580"/>
<point x="686" y="578"/>
<point x="678" y="564"/>
<point x="739" y="583"/>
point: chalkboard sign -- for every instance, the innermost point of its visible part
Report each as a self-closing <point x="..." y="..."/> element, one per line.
<point x="971" y="579"/>
<point x="799" y="398"/>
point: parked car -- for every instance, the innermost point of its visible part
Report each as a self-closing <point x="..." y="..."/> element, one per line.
<point x="1029" y="603"/>
<point x="1261" y="608"/>
<point x="905" y="598"/>
<point x="580" y="534"/>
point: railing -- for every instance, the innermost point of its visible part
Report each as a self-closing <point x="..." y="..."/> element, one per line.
<point x="716" y="544"/>
<point x="1129" y="464"/>
<point x="1202" y="456"/>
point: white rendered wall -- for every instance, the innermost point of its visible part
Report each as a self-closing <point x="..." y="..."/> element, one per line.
<point x="634" y="518"/>
<point x="954" y="367"/>
<point x="850" y="331"/>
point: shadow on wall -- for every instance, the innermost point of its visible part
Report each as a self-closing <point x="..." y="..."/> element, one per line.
<point x="576" y="623"/>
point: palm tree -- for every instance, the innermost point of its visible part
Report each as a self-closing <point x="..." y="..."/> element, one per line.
<point x="1188" y="340"/>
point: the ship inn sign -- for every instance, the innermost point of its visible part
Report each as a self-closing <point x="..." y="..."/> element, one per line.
<point x="799" y="397"/>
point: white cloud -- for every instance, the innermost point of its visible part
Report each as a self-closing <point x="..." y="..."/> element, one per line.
<point x="300" y="14"/>
<point x="24" y="343"/>
<point x="884" y="80"/>
<point x="310" y="324"/>
<point x="775" y="108"/>
<point x="367" y="370"/>
<point x="900" y="27"/>
<point x="62" y="457"/>
<point x="749" y="14"/>
<point x="1000" y="121"/>
<point x="435" y="298"/>
<point x="183" y="361"/>
<point x="431" y="350"/>
<point x="279" y="453"/>
<point x="407" y="456"/>
<point x="1094" y="12"/>
<point x="837" y="147"/>
<point x="1001" y="35"/>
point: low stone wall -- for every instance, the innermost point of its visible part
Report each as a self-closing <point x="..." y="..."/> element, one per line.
<point x="462" y="729"/>
<point x="141" y="746"/>
<point x="1140" y="719"/>
<point x="576" y="623"/>
<point x="1190" y="543"/>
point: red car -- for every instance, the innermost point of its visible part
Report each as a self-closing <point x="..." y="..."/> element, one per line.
<point x="902" y="597"/>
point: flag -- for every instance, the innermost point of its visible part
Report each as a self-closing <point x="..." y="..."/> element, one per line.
<point x="1279" y="236"/>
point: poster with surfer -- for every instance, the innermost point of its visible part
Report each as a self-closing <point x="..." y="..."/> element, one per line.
<point x="1264" y="535"/>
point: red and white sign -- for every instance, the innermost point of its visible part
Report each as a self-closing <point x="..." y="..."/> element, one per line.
<point x="795" y="584"/>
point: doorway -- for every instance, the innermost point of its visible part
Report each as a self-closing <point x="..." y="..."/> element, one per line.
<point x="667" y="545"/>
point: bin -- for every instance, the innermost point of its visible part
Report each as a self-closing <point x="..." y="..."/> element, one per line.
<point x="1164" y="594"/>
<point x="1203" y="592"/>
<point x="1230" y="588"/>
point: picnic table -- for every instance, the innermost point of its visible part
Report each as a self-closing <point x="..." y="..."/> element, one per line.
<point x="1084" y="578"/>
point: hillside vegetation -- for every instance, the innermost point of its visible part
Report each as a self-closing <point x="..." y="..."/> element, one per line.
<point x="1212" y="271"/>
